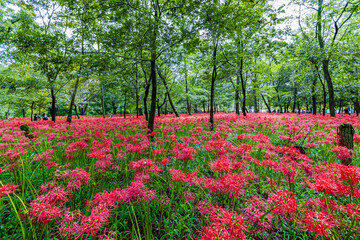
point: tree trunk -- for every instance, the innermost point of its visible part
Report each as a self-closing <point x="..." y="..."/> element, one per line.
<point x="330" y="87"/>
<point x="168" y="94"/>
<point x="295" y="98"/>
<point x="212" y="90"/>
<point x="137" y="94"/>
<point x="151" y="120"/>
<point x="243" y="86"/>
<point x="72" y="102"/>
<point x="32" y="110"/>
<point x="237" y="95"/>
<point x="356" y="105"/>
<point x="76" y="111"/>
<point x="102" y="101"/>
<point x="82" y="110"/>
<point x="146" y="94"/>
<point x="267" y="105"/>
<point x="53" y="107"/>
<point x="187" y="91"/>
<point x="313" y="89"/>
<point x="125" y="106"/>
<point x="256" y="105"/>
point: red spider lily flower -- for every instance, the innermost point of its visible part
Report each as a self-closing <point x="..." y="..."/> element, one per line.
<point x="186" y="154"/>
<point x="188" y="196"/>
<point x="353" y="210"/>
<point x="164" y="161"/>
<point x="233" y="184"/>
<point x="141" y="164"/>
<point x="159" y="151"/>
<point x="343" y="153"/>
<point x="255" y="213"/>
<point x="284" y="202"/>
<point x="7" y="189"/>
<point x="320" y="222"/>
<point x="77" y="178"/>
<point x="177" y="175"/>
<point x="44" y="212"/>
<point x="120" y="155"/>
<point x="221" y="165"/>
<point x="15" y="153"/>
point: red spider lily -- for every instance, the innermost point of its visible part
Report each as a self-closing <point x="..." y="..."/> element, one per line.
<point x="233" y="183"/>
<point x="57" y="195"/>
<point x="284" y="202"/>
<point x="353" y="210"/>
<point x="255" y="213"/>
<point x="7" y="189"/>
<point x="320" y="222"/>
<point x="188" y="196"/>
<point x="343" y="153"/>
<point x="44" y="212"/>
<point x="141" y="164"/>
<point x="221" y="165"/>
<point x="77" y="178"/>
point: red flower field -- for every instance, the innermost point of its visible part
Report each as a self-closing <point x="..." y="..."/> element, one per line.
<point x="266" y="176"/>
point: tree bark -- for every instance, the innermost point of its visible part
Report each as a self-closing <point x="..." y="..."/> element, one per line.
<point x="168" y="93"/>
<point x="256" y="105"/>
<point x="151" y="120"/>
<point x="356" y="105"/>
<point x="32" y="110"/>
<point x="212" y="90"/>
<point x="267" y="105"/>
<point x="237" y="95"/>
<point x="76" y="111"/>
<point x="187" y="91"/>
<point x="325" y="61"/>
<point x="243" y="86"/>
<point x="102" y="100"/>
<point x="53" y="103"/>
<point x="313" y="93"/>
<point x="72" y="102"/>
<point x="125" y="106"/>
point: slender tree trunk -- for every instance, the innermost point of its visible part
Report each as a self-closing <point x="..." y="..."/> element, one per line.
<point x="187" y="91"/>
<point x="330" y="87"/>
<point x="151" y="120"/>
<point x="237" y="95"/>
<point x="72" y="102"/>
<point x="76" y="111"/>
<point x="266" y="104"/>
<point x="243" y="86"/>
<point x="102" y="100"/>
<point x="325" y="61"/>
<point x="125" y="106"/>
<point x="53" y="103"/>
<point x="356" y="105"/>
<point x="256" y="105"/>
<point x="212" y="90"/>
<point x="168" y="94"/>
<point x="23" y="112"/>
<point x="32" y="111"/>
<point x="146" y="94"/>
<point x="313" y="93"/>
<point x="295" y="99"/>
<point x="324" y="94"/>
<point x="137" y="93"/>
